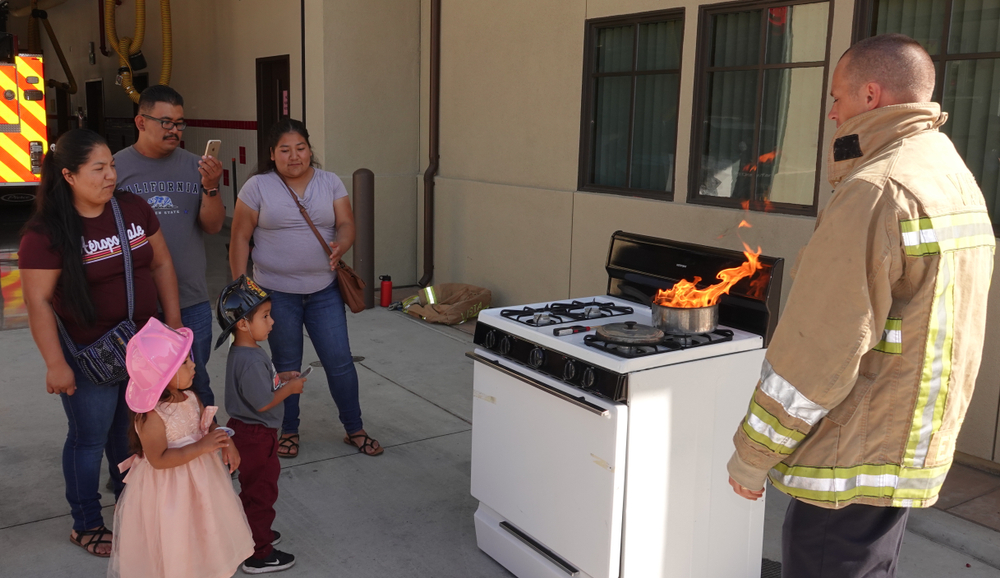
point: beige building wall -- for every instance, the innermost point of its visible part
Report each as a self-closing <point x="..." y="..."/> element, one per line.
<point x="371" y="116"/>
<point x="362" y="87"/>
<point x="215" y="47"/>
<point x="508" y="214"/>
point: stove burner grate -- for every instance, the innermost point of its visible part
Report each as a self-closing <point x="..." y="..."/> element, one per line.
<point x="668" y="343"/>
<point x="565" y="312"/>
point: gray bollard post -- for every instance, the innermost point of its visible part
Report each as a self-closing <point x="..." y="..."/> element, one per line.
<point x="364" y="225"/>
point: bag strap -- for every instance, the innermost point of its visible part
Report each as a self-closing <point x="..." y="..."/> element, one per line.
<point x="126" y="245"/>
<point x="126" y="248"/>
<point x="319" y="236"/>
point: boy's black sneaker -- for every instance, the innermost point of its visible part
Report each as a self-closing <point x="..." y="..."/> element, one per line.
<point x="276" y="538"/>
<point x="276" y="562"/>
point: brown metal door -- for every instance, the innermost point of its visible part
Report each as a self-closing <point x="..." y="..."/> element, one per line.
<point x="273" y="99"/>
<point x="95" y="106"/>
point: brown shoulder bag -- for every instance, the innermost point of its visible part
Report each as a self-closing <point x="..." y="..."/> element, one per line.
<point x="351" y="286"/>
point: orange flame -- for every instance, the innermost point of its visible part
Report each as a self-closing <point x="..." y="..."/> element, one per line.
<point x="686" y="294"/>
<point x="765" y="205"/>
<point x="744" y="225"/>
<point x="764" y="158"/>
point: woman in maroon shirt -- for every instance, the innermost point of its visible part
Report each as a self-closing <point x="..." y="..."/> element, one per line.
<point x="71" y="266"/>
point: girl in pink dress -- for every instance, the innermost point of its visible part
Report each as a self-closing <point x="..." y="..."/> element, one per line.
<point x="178" y="515"/>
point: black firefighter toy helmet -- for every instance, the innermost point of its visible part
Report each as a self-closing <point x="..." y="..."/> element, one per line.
<point x="237" y="301"/>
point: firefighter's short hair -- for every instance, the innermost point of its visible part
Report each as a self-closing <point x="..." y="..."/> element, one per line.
<point x="895" y="61"/>
<point x="159" y="93"/>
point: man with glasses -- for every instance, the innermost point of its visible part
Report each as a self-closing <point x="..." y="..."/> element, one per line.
<point x="183" y="190"/>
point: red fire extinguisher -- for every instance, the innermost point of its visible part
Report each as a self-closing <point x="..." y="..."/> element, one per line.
<point x="385" y="294"/>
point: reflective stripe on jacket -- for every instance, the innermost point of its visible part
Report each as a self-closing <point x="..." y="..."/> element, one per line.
<point x="872" y="365"/>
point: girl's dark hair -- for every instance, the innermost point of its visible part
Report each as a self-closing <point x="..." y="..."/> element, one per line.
<point x="280" y="129"/>
<point x="55" y="216"/>
<point x="134" y="442"/>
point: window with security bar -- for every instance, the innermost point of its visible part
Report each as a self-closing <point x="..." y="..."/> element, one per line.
<point x="760" y="105"/>
<point x="628" y="134"/>
<point x="963" y="39"/>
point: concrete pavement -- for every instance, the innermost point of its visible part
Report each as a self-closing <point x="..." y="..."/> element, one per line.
<point x="405" y="513"/>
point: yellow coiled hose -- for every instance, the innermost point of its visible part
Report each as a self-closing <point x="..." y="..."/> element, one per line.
<point x="126" y="46"/>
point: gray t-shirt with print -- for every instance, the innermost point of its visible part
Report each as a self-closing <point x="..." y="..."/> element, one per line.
<point x="287" y="257"/>
<point x="172" y="187"/>
<point x="250" y="385"/>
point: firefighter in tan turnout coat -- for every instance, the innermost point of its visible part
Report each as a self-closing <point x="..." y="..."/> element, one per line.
<point x="870" y="371"/>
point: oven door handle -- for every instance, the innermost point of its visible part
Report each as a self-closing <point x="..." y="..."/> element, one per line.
<point x="578" y="401"/>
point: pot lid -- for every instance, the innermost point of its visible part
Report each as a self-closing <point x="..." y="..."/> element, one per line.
<point x="630" y="332"/>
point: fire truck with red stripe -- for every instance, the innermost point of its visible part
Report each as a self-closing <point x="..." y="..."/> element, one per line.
<point x="22" y="120"/>
<point x="23" y="143"/>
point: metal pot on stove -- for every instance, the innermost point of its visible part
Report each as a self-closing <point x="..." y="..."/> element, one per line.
<point x="685" y="320"/>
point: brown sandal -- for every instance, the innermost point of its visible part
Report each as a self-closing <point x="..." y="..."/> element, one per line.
<point x="96" y="539"/>
<point x="288" y="446"/>
<point x="367" y="447"/>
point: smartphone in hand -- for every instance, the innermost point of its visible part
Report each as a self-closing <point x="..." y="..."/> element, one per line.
<point x="212" y="148"/>
<point x="301" y="375"/>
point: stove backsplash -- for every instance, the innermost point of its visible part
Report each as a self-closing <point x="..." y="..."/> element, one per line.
<point x="638" y="266"/>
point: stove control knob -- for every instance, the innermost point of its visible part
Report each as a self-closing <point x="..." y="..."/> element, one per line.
<point x="537" y="357"/>
<point x="569" y="370"/>
<point x="505" y="345"/>
<point x="490" y="340"/>
<point x="588" y="378"/>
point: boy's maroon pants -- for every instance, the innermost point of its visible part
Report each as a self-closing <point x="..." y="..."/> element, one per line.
<point x="259" y="469"/>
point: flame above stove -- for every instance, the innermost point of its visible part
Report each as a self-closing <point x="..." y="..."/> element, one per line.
<point x="685" y="294"/>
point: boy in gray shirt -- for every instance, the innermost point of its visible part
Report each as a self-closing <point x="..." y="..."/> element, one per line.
<point x="254" y="402"/>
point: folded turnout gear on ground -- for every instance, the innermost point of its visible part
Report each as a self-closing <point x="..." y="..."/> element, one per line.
<point x="448" y="303"/>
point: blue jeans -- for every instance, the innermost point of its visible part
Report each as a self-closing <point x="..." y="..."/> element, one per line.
<point x="98" y="424"/>
<point x="198" y="318"/>
<point x="323" y="314"/>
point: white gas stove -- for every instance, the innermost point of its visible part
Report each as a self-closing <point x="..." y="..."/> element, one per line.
<point x="634" y="358"/>
<point x="606" y="460"/>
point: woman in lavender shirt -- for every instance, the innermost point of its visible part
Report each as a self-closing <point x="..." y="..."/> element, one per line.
<point x="294" y="268"/>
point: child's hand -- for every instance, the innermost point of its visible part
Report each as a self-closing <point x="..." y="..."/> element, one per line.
<point x="231" y="457"/>
<point x="286" y="376"/>
<point x="214" y="440"/>
<point x="295" y="385"/>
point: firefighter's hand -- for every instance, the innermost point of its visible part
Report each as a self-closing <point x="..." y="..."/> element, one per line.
<point x="211" y="171"/>
<point x="744" y="492"/>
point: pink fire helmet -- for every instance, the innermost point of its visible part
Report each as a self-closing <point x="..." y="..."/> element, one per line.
<point x="152" y="358"/>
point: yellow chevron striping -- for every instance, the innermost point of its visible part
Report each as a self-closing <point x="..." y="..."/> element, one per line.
<point x="7" y="175"/>
<point x="8" y="108"/>
<point x="33" y="108"/>
<point x="30" y="134"/>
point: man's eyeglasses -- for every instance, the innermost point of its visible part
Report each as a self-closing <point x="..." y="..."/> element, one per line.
<point x="167" y="124"/>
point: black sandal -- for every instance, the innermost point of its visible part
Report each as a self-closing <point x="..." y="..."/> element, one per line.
<point x="368" y="447"/>
<point x="290" y="444"/>
<point x="96" y="539"/>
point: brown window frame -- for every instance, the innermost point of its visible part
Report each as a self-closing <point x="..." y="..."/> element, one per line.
<point x="587" y="118"/>
<point x="864" y="23"/>
<point x="703" y="67"/>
